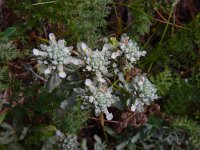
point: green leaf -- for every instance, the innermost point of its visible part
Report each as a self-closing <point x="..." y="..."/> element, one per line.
<point x="2" y="117"/>
<point x="6" y="34"/>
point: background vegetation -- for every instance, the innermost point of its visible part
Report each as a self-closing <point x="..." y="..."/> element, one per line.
<point x="167" y="30"/>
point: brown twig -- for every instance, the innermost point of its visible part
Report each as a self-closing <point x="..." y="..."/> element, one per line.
<point x="109" y="121"/>
<point x="178" y="26"/>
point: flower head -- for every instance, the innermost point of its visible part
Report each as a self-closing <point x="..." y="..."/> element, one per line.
<point x="130" y="49"/>
<point x="100" y="98"/>
<point x="55" y="56"/>
<point x="67" y="142"/>
<point x="143" y="92"/>
<point x="96" y="61"/>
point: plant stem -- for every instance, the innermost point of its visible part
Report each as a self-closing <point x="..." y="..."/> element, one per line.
<point x="42" y="3"/>
<point x="162" y="38"/>
<point x="103" y="125"/>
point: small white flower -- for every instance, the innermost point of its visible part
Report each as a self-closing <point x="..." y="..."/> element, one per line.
<point x="114" y="65"/>
<point x="105" y="48"/>
<point x="88" y="68"/>
<point x="64" y="104"/>
<point x="109" y="116"/>
<point x="52" y="37"/>
<point x="36" y="52"/>
<point x="43" y="47"/>
<point x="58" y="133"/>
<point x="91" y="99"/>
<point x="45" y="62"/>
<point x="62" y="74"/>
<point x="99" y="77"/>
<point x="61" y="44"/>
<point x="116" y="54"/>
<point x="77" y="61"/>
<point x="86" y="49"/>
<point x="88" y="82"/>
<point x="48" y="70"/>
<point x="133" y="108"/>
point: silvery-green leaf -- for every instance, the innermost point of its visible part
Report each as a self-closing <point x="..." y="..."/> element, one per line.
<point x="109" y="74"/>
<point x="135" y="138"/>
<point x="16" y="146"/>
<point x="8" y="137"/>
<point x="79" y="49"/>
<point x="79" y="90"/>
<point x="115" y="98"/>
<point x="121" y="77"/>
<point x="110" y="131"/>
<point x="97" y="139"/>
<point x="75" y="83"/>
<point x="48" y="144"/>
<point x="43" y="47"/>
<point x="149" y="146"/>
<point x="53" y="81"/>
<point x="72" y="77"/>
<point x="69" y="102"/>
<point x="70" y="69"/>
<point x="23" y="133"/>
<point x="84" y="144"/>
<point x="122" y="145"/>
<point x="6" y="126"/>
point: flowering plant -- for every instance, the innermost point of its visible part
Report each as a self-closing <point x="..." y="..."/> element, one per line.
<point x="105" y="75"/>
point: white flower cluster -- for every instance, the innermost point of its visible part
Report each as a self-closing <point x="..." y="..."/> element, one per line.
<point x="68" y="142"/>
<point x="143" y="92"/>
<point x="55" y="56"/>
<point x="96" y="61"/>
<point x="130" y="49"/>
<point x="100" y="98"/>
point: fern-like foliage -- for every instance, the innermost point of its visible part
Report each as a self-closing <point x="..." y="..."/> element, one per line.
<point x="191" y="127"/>
<point x="72" y="120"/>
<point x="3" y="74"/>
<point x="184" y="95"/>
<point x="154" y="135"/>
<point x="79" y="20"/>
<point x="139" y="11"/>
<point x="163" y="81"/>
<point x="7" y="53"/>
